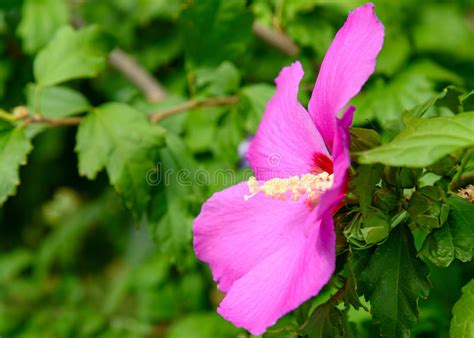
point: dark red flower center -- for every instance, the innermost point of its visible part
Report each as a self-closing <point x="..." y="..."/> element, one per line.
<point x="322" y="163"/>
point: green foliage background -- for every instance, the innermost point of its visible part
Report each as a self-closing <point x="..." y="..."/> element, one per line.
<point x="90" y="248"/>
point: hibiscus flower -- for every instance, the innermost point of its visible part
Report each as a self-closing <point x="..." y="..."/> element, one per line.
<point x="270" y="242"/>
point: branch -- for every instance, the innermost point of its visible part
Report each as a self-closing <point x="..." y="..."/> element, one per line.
<point x="155" y="117"/>
<point x="54" y="121"/>
<point x="138" y="75"/>
<point x="193" y="104"/>
<point x="277" y="39"/>
<point x="125" y="64"/>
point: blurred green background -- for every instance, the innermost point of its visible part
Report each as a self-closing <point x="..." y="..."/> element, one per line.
<point x="74" y="262"/>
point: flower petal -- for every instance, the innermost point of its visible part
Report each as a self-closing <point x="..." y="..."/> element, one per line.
<point x="284" y="280"/>
<point x="233" y="235"/>
<point x="347" y="65"/>
<point x="330" y="200"/>
<point x="286" y="138"/>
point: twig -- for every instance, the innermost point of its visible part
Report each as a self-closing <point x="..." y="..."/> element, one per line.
<point x="6" y="116"/>
<point x="54" y="121"/>
<point x="193" y="104"/>
<point x="276" y="39"/>
<point x="125" y="64"/>
<point x="155" y="117"/>
<point x="133" y="71"/>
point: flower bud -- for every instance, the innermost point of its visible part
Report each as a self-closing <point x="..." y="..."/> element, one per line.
<point x="375" y="226"/>
<point x="366" y="230"/>
<point x="428" y="207"/>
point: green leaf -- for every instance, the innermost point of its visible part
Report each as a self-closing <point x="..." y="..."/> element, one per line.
<point x="316" y="34"/>
<point x="365" y="230"/>
<point x="386" y="100"/>
<point x="201" y="128"/>
<point x="326" y="321"/>
<point x="363" y="139"/>
<point x="292" y="8"/>
<point x="228" y="137"/>
<point x="449" y="97"/>
<point x="425" y="141"/>
<point x="461" y="220"/>
<point x="170" y="214"/>
<point x="363" y="184"/>
<point x="57" y="101"/>
<point x="202" y="325"/>
<point x="351" y="286"/>
<point x="393" y="281"/>
<point x="438" y="246"/>
<point x="14" y="148"/>
<point x="396" y="49"/>
<point x="455" y="238"/>
<point x="453" y="35"/>
<point x="144" y="11"/>
<point x="219" y="81"/>
<point x="253" y="100"/>
<point x="39" y="21"/>
<point x="10" y="4"/>
<point x="221" y="40"/>
<point x="13" y="263"/>
<point x="462" y="324"/>
<point x="70" y="55"/>
<point x="120" y="139"/>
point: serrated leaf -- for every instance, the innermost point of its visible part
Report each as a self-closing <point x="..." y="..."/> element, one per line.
<point x="462" y="324"/>
<point x="424" y="142"/>
<point x="222" y="41"/>
<point x="326" y="321"/>
<point x="57" y="101"/>
<point x="39" y="21"/>
<point x="70" y="55"/>
<point x="120" y="139"/>
<point x="363" y="184"/>
<point x="393" y="281"/>
<point x="14" y="148"/>
<point x="455" y="239"/>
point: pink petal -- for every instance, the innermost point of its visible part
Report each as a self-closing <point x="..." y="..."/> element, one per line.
<point x="233" y="235"/>
<point x="330" y="201"/>
<point x="284" y="280"/>
<point x="286" y="138"/>
<point x="346" y="67"/>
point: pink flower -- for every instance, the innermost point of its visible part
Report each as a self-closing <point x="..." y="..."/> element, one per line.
<point x="270" y="242"/>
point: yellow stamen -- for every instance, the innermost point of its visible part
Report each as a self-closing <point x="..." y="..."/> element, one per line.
<point x="309" y="184"/>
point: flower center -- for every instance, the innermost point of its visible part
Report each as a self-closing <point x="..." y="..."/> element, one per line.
<point x="310" y="185"/>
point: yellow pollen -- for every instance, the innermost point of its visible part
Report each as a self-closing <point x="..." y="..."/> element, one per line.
<point x="278" y="188"/>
